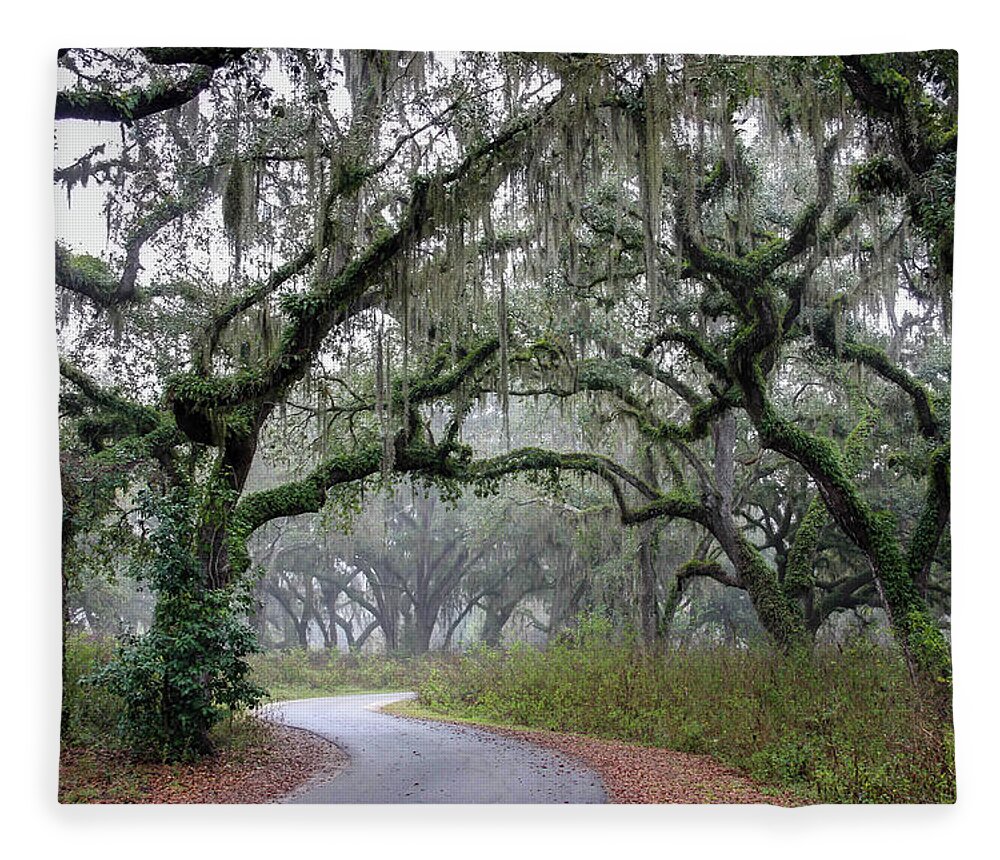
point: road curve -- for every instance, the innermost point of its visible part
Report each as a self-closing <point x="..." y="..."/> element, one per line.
<point x="398" y="760"/>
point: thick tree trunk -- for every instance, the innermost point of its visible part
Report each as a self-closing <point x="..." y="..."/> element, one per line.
<point x="776" y="612"/>
<point x="649" y="620"/>
<point x="418" y="634"/>
<point x="875" y="534"/>
<point x="493" y="626"/>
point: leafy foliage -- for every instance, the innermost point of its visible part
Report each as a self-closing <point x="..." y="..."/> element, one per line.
<point x="180" y="678"/>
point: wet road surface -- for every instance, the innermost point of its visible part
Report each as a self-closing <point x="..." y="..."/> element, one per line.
<point x="398" y="760"/>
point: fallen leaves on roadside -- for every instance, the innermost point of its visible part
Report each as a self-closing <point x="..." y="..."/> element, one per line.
<point x="279" y="761"/>
<point x="636" y="774"/>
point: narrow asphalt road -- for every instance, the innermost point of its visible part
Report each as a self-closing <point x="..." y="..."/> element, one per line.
<point x="397" y="760"/>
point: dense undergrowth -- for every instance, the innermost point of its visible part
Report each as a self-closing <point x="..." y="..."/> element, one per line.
<point x="841" y="727"/>
<point x="300" y="674"/>
<point x="98" y="762"/>
<point x="92" y="714"/>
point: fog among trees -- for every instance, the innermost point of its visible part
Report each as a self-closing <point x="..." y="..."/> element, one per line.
<point x="407" y="352"/>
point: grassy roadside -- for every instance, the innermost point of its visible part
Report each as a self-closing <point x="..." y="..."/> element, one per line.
<point x="293" y="692"/>
<point x="631" y="773"/>
<point x="418" y="710"/>
<point x="298" y="674"/>
<point x="835" y="727"/>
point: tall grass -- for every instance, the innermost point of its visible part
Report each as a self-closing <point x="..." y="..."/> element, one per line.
<point x="296" y="673"/>
<point x="837" y="727"/>
<point x="90" y="714"/>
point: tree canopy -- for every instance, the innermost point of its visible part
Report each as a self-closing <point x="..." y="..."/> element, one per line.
<point x="730" y="276"/>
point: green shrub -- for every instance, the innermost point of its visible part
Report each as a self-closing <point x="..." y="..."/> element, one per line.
<point x="789" y="760"/>
<point x="179" y="679"/>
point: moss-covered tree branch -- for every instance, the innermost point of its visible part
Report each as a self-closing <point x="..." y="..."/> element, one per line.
<point x="311" y="316"/>
<point x="90" y="277"/>
<point x="134" y="104"/>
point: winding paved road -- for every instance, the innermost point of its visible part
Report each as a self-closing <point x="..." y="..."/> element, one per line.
<point x="398" y="760"/>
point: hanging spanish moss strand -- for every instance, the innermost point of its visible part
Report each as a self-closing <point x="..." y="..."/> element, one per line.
<point x="503" y="318"/>
<point x="233" y="205"/>
<point x="650" y="185"/>
<point x="404" y="287"/>
<point x="388" y="449"/>
<point x="377" y="333"/>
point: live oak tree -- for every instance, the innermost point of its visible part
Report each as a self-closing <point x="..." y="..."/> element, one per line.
<point x="750" y="284"/>
<point x="411" y="568"/>
<point x="362" y="250"/>
<point x="364" y="189"/>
